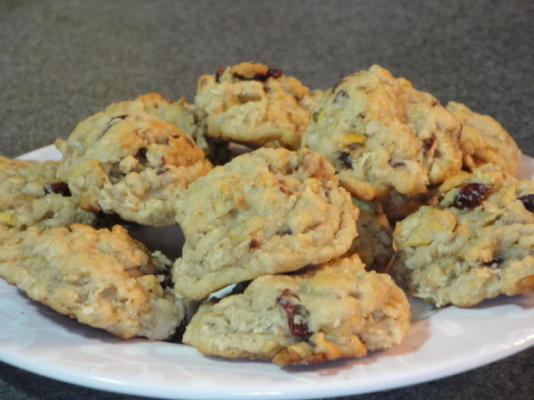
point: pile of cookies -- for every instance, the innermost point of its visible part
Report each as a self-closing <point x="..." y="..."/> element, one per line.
<point x="302" y="212"/>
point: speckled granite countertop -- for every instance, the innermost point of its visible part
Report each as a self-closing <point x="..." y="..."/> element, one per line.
<point x="61" y="61"/>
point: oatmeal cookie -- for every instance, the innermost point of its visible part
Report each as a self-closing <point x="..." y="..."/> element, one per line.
<point x="374" y="243"/>
<point x="477" y="242"/>
<point x="30" y="194"/>
<point x="102" y="278"/>
<point x="383" y="135"/>
<point x="327" y="312"/>
<point x="128" y="161"/>
<point x="484" y="140"/>
<point x="265" y="212"/>
<point x="253" y="104"/>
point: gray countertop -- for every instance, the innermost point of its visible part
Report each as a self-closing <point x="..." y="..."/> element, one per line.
<point x="61" y="61"/>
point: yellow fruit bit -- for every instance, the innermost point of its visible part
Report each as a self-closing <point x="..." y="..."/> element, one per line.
<point x="351" y="138"/>
<point x="422" y="227"/>
<point x="7" y="219"/>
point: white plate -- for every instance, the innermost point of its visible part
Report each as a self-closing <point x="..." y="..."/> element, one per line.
<point x="440" y="343"/>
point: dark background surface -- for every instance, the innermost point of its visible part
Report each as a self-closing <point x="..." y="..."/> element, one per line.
<point x="61" y="61"/>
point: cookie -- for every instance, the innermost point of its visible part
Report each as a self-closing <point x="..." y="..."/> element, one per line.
<point x="253" y="104"/>
<point x="265" y="212"/>
<point x="128" y="161"/>
<point x="102" y="278"/>
<point x="30" y="194"/>
<point x="382" y="135"/>
<point x="484" y="140"/>
<point x="476" y="243"/>
<point x="328" y="312"/>
<point x="374" y="243"/>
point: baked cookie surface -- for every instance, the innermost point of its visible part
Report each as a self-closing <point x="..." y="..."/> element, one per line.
<point x="328" y="312"/>
<point x="253" y="104"/>
<point x="383" y="135"/>
<point x="102" y="278"/>
<point x="128" y="161"/>
<point x="475" y="244"/>
<point x="484" y="140"/>
<point x="30" y="194"/>
<point x="265" y="212"/>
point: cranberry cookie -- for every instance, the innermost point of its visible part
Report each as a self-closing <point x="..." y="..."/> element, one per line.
<point x="477" y="242"/>
<point x="102" y="278"/>
<point x="128" y="161"/>
<point x="327" y="312"/>
<point x="252" y="104"/>
<point x="383" y="135"/>
<point x="265" y="212"/>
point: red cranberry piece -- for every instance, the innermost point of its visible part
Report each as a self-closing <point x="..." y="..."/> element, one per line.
<point x="397" y="164"/>
<point x="427" y="144"/>
<point x="275" y="73"/>
<point x="471" y="195"/>
<point x="58" y="187"/>
<point x="253" y="244"/>
<point x="123" y="116"/>
<point x="262" y="77"/>
<point x="528" y="201"/>
<point x="141" y="154"/>
<point x="285" y="190"/>
<point x="287" y="301"/>
<point x="219" y="70"/>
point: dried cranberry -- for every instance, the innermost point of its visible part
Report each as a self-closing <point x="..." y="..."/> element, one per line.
<point x="58" y="187"/>
<point x="271" y="73"/>
<point x="428" y="143"/>
<point x="123" y="116"/>
<point x="275" y="73"/>
<point x="396" y="164"/>
<point x="141" y="154"/>
<point x="528" y="201"/>
<point x="287" y="301"/>
<point x="345" y="158"/>
<point x="285" y="190"/>
<point x="471" y="195"/>
<point x="219" y="70"/>
<point x="253" y="244"/>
